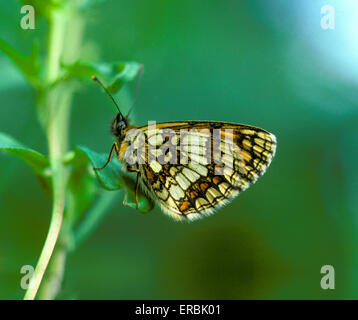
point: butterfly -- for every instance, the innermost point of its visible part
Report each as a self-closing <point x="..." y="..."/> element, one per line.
<point x="191" y="168"/>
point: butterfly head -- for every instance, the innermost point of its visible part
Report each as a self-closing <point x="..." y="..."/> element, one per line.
<point x="119" y="124"/>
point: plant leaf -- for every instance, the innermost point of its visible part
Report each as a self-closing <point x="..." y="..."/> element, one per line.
<point x="82" y="188"/>
<point x="28" y="65"/>
<point x="113" y="177"/>
<point x="113" y="75"/>
<point x="37" y="161"/>
<point x="110" y="177"/>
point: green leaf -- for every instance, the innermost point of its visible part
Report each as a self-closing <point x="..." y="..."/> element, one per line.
<point x="113" y="177"/>
<point x="82" y="188"/>
<point x="145" y="204"/>
<point x="30" y="66"/>
<point x="37" y="161"/>
<point x="110" y="177"/>
<point x="113" y="75"/>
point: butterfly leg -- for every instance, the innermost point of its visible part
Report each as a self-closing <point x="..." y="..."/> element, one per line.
<point x="114" y="147"/>
<point x="130" y="169"/>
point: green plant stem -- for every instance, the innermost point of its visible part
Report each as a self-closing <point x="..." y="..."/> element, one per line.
<point x="65" y="47"/>
<point x="56" y="146"/>
<point x="52" y="282"/>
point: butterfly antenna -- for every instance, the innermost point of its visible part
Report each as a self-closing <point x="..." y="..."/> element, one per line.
<point x="140" y="73"/>
<point x="95" y="79"/>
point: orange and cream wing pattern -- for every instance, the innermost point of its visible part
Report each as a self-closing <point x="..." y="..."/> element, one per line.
<point x="193" y="168"/>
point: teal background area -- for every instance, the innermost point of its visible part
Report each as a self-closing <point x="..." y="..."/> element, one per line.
<point x="263" y="63"/>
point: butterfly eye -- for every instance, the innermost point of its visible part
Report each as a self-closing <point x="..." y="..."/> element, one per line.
<point x="120" y="125"/>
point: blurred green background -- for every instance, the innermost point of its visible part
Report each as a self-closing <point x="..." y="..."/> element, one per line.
<point x="264" y="63"/>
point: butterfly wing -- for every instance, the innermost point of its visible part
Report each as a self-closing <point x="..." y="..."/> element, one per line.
<point x="199" y="166"/>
